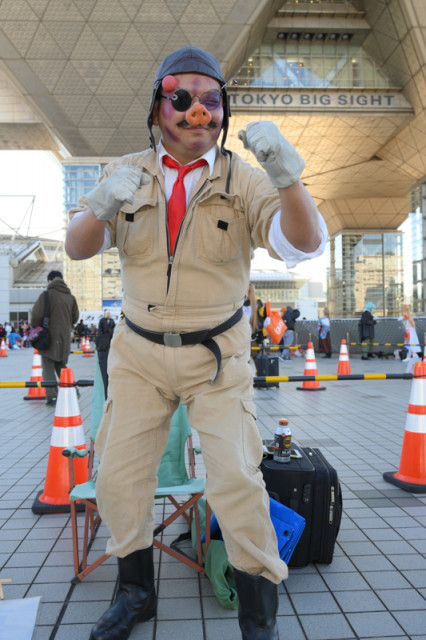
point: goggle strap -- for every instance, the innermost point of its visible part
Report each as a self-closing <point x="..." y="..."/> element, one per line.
<point x="231" y="82"/>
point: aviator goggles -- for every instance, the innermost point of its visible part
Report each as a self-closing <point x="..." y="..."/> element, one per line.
<point x="182" y="100"/>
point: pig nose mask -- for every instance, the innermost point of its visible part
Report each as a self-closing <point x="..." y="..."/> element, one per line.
<point x="197" y="113"/>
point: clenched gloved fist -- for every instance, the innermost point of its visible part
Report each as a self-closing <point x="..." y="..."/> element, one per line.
<point x="107" y="198"/>
<point x="274" y="153"/>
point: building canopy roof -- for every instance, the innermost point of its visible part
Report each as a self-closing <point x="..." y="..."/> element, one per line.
<point x="77" y="76"/>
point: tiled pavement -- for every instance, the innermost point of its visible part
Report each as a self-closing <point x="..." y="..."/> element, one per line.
<point x="374" y="588"/>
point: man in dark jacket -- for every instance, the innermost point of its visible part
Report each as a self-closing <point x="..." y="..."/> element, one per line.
<point x="80" y="331"/>
<point x="105" y="330"/>
<point x="63" y="314"/>
<point x="366" y="331"/>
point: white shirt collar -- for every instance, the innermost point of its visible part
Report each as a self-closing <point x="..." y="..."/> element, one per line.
<point x="209" y="156"/>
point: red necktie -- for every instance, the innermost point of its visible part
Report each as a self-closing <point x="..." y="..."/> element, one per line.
<point x="177" y="203"/>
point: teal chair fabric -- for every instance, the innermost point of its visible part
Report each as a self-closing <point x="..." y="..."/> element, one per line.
<point x="173" y="476"/>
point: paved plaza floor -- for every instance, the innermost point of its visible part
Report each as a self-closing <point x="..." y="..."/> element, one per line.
<point x="374" y="588"/>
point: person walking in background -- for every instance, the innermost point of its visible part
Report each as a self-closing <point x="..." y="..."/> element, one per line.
<point x="63" y="314"/>
<point x="106" y="328"/>
<point x="411" y="340"/>
<point x="250" y="308"/>
<point x="366" y="331"/>
<point x="289" y="316"/>
<point x="258" y="334"/>
<point x="80" y="331"/>
<point x="324" y="338"/>
<point x="8" y="328"/>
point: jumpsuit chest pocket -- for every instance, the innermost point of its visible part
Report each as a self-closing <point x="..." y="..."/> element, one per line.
<point x="221" y="228"/>
<point x="137" y="227"/>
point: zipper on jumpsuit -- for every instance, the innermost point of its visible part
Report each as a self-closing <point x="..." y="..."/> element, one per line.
<point x="170" y="258"/>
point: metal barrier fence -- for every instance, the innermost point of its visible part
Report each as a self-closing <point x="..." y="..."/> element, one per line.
<point x="387" y="330"/>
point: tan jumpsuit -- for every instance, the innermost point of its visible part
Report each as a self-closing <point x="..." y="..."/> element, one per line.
<point x="204" y="286"/>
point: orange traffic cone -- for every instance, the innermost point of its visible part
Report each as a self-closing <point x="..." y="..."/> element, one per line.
<point x="424" y="352"/>
<point x="36" y="393"/>
<point x="3" y="350"/>
<point x="343" y="366"/>
<point x="411" y="475"/>
<point x="310" y="370"/>
<point x="67" y="432"/>
<point x="86" y="348"/>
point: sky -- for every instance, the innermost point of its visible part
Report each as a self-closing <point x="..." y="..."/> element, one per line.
<point x="314" y="270"/>
<point x="31" y="194"/>
<point x="31" y="204"/>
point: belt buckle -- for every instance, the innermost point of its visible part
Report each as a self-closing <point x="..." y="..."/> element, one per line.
<point x="172" y="339"/>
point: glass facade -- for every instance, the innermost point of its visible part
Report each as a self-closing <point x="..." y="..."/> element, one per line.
<point x="301" y="63"/>
<point x="365" y="268"/>
<point x="280" y="292"/>
<point x="78" y="180"/>
<point x="414" y="252"/>
<point x="99" y="278"/>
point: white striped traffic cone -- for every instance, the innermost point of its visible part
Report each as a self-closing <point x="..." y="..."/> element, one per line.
<point x="343" y="366"/>
<point x="411" y="475"/>
<point x="87" y="351"/>
<point x="67" y="432"/>
<point x="310" y="370"/>
<point x="36" y="393"/>
<point x="3" y="350"/>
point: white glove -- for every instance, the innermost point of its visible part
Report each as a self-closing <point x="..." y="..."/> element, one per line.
<point x="274" y="153"/>
<point x="107" y="198"/>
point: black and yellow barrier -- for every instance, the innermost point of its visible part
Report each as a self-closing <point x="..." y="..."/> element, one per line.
<point x="384" y="344"/>
<point x="323" y="378"/>
<point x="40" y="383"/>
<point x="305" y="346"/>
<point x="81" y="351"/>
<point x="279" y="347"/>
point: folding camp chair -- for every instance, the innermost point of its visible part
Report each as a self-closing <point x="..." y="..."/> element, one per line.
<point x="174" y="482"/>
<point x="179" y="485"/>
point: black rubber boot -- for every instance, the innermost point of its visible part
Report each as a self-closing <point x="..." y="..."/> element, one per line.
<point x="135" y="600"/>
<point x="258" y="606"/>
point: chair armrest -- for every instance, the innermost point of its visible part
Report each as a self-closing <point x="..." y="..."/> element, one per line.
<point x="72" y="452"/>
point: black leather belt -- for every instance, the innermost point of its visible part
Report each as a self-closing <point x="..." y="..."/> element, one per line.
<point x="204" y="337"/>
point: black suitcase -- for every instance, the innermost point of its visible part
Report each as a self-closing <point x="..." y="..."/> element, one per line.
<point x="267" y="365"/>
<point x="309" y="485"/>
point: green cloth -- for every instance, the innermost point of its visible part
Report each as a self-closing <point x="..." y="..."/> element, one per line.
<point x="172" y="471"/>
<point x="218" y="568"/>
<point x="98" y="401"/>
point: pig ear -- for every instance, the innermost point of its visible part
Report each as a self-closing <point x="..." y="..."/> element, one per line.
<point x="169" y="83"/>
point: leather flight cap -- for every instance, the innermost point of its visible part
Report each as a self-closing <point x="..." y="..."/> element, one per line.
<point x="204" y="337"/>
<point x="190" y="60"/>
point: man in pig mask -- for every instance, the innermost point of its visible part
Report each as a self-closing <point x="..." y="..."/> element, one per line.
<point x="185" y="217"/>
